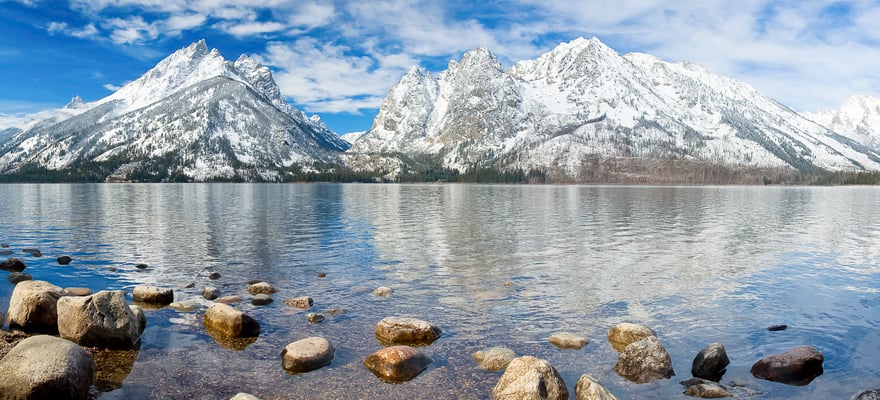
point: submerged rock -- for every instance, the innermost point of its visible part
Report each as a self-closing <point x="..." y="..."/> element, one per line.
<point x="46" y="367"/>
<point x="798" y="366"/>
<point x="18" y="277"/>
<point x="528" y="377"/>
<point x="214" y="276"/>
<point x="644" y="361"/>
<point x="624" y="334"/>
<point x="588" y="388"/>
<point x="229" y="300"/>
<point x="230" y="322"/>
<point x="566" y="340"/>
<point x="494" y="358"/>
<point x="210" y="293"/>
<point x="411" y="331"/>
<point x="709" y="390"/>
<point x="185" y="305"/>
<point x="153" y="295"/>
<point x="711" y="362"/>
<point x="12" y="264"/>
<point x="261" y="300"/>
<point x="314" y="318"/>
<point x="397" y="363"/>
<point x="102" y="320"/>
<point x="33" y="308"/>
<point x="307" y="355"/>
<point x="33" y="252"/>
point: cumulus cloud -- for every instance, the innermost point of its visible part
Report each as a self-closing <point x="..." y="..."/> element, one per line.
<point x="62" y="28"/>
<point x="111" y="87"/>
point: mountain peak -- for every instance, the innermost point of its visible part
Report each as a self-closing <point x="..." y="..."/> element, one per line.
<point x="480" y="56"/>
<point x="75" y="102"/>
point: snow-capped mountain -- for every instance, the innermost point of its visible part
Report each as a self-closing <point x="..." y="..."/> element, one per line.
<point x="581" y="105"/>
<point x="857" y="118"/>
<point x="194" y="114"/>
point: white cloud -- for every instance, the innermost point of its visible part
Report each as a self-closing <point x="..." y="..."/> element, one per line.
<point x="240" y="29"/>
<point x="87" y="31"/>
<point x="111" y="87"/>
<point x="132" y="30"/>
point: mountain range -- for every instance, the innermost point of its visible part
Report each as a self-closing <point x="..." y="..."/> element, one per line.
<point x="579" y="113"/>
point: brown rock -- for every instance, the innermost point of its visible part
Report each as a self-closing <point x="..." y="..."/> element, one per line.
<point x="397" y="363"/>
<point x="229" y="300"/>
<point x="644" y="361"/>
<point x="230" y="322"/>
<point x="32" y="307"/>
<point x="566" y="340"/>
<point x="303" y="302"/>
<point x="76" y="291"/>
<point x="307" y="355"/>
<point x="261" y="288"/>
<point x="17" y="277"/>
<point x="798" y="366"/>
<point x="495" y="358"/>
<point x="153" y="295"/>
<point x="623" y="334"/>
<point x="12" y="264"/>
<point x="411" y="331"/>
<point x="710" y="390"/>
<point x="529" y="378"/>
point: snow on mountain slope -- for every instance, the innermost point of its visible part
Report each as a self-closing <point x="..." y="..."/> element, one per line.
<point x="857" y="118"/>
<point x="194" y="113"/>
<point x="582" y="100"/>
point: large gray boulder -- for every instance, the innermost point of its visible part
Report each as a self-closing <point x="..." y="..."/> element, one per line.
<point x="407" y="331"/>
<point x="33" y="308"/>
<point x="624" y="334"/>
<point x="46" y="367"/>
<point x="228" y="321"/>
<point x="530" y="378"/>
<point x="306" y="355"/>
<point x="588" y="388"/>
<point x="644" y="361"/>
<point x="798" y="366"/>
<point x="102" y="320"/>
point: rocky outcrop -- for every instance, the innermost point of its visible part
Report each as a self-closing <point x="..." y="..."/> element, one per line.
<point x="153" y="295"/>
<point x="529" y="378"/>
<point x="798" y="366"/>
<point x="409" y="331"/>
<point x="102" y="320"/>
<point x="46" y="367"/>
<point x="397" y="363"/>
<point x="711" y="362"/>
<point x="495" y="358"/>
<point x="33" y="307"/>
<point x="624" y="334"/>
<point x="644" y="361"/>
<point x="588" y="388"/>
<point x="567" y="340"/>
<point x="307" y="355"/>
<point x="230" y="322"/>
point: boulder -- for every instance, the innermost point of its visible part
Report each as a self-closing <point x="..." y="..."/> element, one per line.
<point x="214" y="276"/>
<point x="33" y="307"/>
<point x="153" y="295"/>
<point x="101" y="320"/>
<point x="230" y="322"/>
<point x="33" y="252"/>
<point x="261" y="287"/>
<point x="76" y="291"/>
<point x="397" y="363"/>
<point x="12" y="264"/>
<point x="314" y="318"/>
<point x="382" y="291"/>
<point x="64" y="260"/>
<point x="397" y="330"/>
<point x="872" y="394"/>
<point x="494" y="358"/>
<point x="588" y="388"/>
<point x="529" y="378"/>
<point x="566" y="340"/>
<point x="229" y="300"/>
<point x="644" y="361"/>
<point x="46" y="367"/>
<point x="306" y="355"/>
<point x="261" y="300"/>
<point x="711" y="362"/>
<point x="210" y="293"/>
<point x="798" y="366"/>
<point x="626" y="333"/>
<point x="185" y="305"/>
<point x="17" y="277"/>
<point x="303" y="302"/>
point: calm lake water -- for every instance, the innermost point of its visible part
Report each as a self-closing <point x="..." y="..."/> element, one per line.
<point x="490" y="265"/>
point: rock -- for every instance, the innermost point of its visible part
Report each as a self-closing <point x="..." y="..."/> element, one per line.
<point x="588" y="388"/>
<point x="397" y="363"/>
<point x="33" y="252"/>
<point x="709" y="390"/>
<point x="873" y="394"/>
<point x="230" y="322"/>
<point x="244" y="396"/>
<point x="306" y="355"/>
<point x="261" y="287"/>
<point x="101" y="320"/>
<point x="13" y="264"/>
<point x="335" y="311"/>
<point x="113" y="367"/>
<point x="397" y="330"/>
<point x="32" y="307"/>
<point x="798" y="366"/>
<point x="777" y="328"/>
<point x="76" y="291"/>
<point x="210" y="293"/>
<point x="382" y="291"/>
<point x="626" y="333"/>
<point x="142" y="266"/>
<point x="711" y="362"/>
<point x="185" y="306"/>
<point x="46" y="367"/>
<point x="188" y="285"/>
<point x="528" y="377"/>
<point x="303" y="302"/>
<point x="153" y="295"/>
<point x="229" y="300"/>
<point x="322" y="275"/>
<point x="64" y="260"/>
<point x="314" y="318"/>
<point x="566" y="340"/>
<point x="254" y="281"/>
<point x="6" y="252"/>
<point x="261" y="300"/>
<point x="494" y="358"/>
<point x="214" y="276"/>
<point x="4" y="245"/>
<point x="644" y="361"/>
<point x="18" y="277"/>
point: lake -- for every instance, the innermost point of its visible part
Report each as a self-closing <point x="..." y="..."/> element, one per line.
<point x="491" y="265"/>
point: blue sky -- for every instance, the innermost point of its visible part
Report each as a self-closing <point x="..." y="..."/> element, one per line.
<point x="339" y="58"/>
